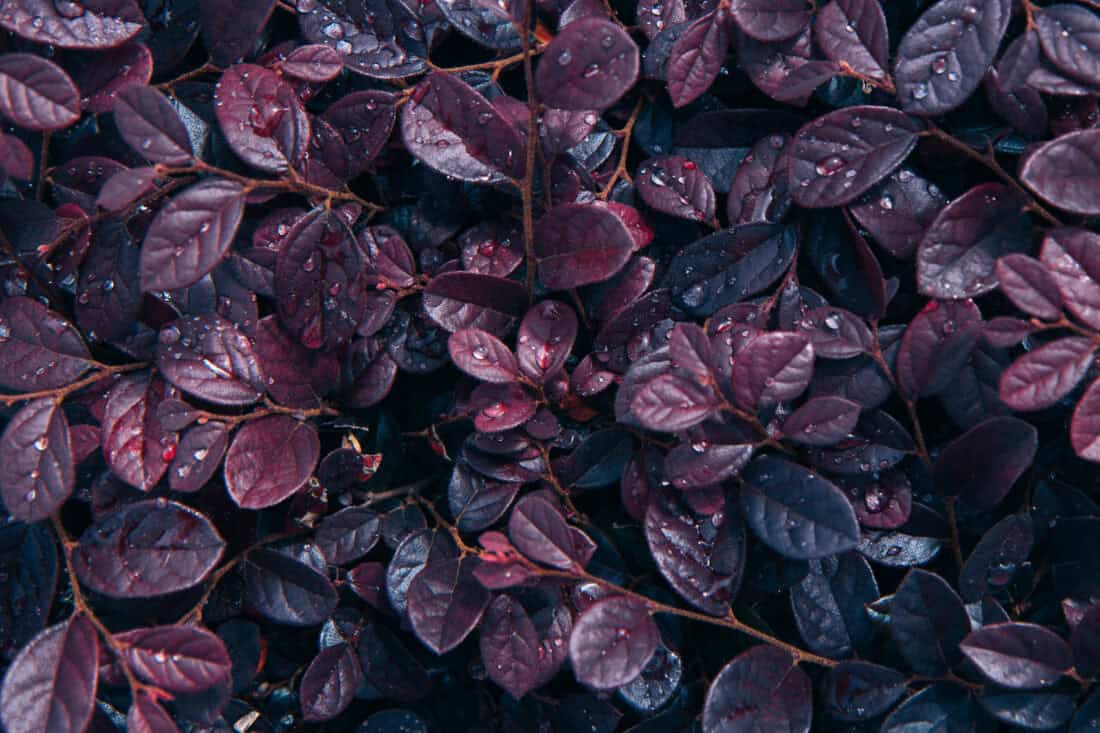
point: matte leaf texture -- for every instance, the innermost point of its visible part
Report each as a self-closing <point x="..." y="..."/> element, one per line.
<point x="191" y="235"/>
<point x="696" y="58"/>
<point x="37" y="94"/>
<point x="936" y="345"/>
<point x="146" y="716"/>
<point x="1040" y="378"/>
<point x="612" y="641"/>
<point x="1072" y="257"/>
<point x="269" y="460"/>
<point x="1061" y="171"/>
<point x="329" y="684"/>
<point x="287" y="591"/>
<point x="761" y="689"/>
<point x="149" y="124"/>
<point x="39" y="349"/>
<point x="839" y="156"/>
<point x="981" y="465"/>
<point x="37" y="457"/>
<point x="590" y="64"/>
<point x="927" y="622"/>
<point x="539" y="531"/>
<point x="230" y="31"/>
<point x="860" y="691"/>
<point x="94" y="24"/>
<point x="854" y="32"/>
<point x="51" y="685"/>
<point x="771" y="21"/>
<point x="771" y="368"/>
<point x="208" y="357"/>
<point x="1018" y="655"/>
<point x="796" y="512"/>
<point x="941" y="57"/>
<point x="446" y="603"/>
<point x="578" y="244"/>
<point x="147" y="548"/>
<point x="1030" y="287"/>
<point x="510" y="646"/>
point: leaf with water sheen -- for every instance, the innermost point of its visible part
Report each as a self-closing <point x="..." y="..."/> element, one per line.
<point x="39" y="349"/>
<point x="208" y="357"/>
<point x="510" y="646"/>
<point x="1064" y="170"/>
<point x="149" y="124"/>
<point x="773" y="367"/>
<point x="483" y="356"/>
<point x="1018" y="655"/>
<point x="95" y="24"/>
<point x="936" y="345"/>
<point x="36" y="461"/>
<point x="176" y="658"/>
<point x="696" y="57"/>
<point x="37" y="94"/>
<point x="136" y="446"/>
<point x="1041" y="377"/>
<point x="612" y="641"/>
<point x="1070" y="38"/>
<point x="761" y="689"/>
<point x="1030" y="286"/>
<point x="590" y="64"/>
<point x="329" y="683"/>
<point x="676" y="186"/>
<point x="261" y="117"/>
<point x="269" y="460"/>
<point x="540" y="532"/>
<point x="771" y="20"/>
<point x="579" y="244"/>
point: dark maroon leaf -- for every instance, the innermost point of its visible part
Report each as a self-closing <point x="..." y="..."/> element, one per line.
<point x="928" y="621"/>
<point x="296" y="376"/>
<point x="365" y="121"/>
<point x="114" y="71"/>
<point x="854" y="32"/>
<point x="671" y="403"/>
<point x="39" y="349"/>
<point x="108" y="300"/>
<point x="136" y="446"/>
<point x="209" y="358"/>
<point x="1030" y="287"/>
<point x="313" y="63"/>
<point x="458" y="300"/>
<point x="37" y="458"/>
<point x="510" y="646"/>
<point x="936" y="345"/>
<point x="92" y="24"/>
<point x="412" y="555"/>
<point x="761" y="689"/>
<point x="941" y="58"/>
<point x="36" y="94"/>
<point x="1084" y="429"/>
<point x="18" y="162"/>
<point x="198" y="456"/>
<point x="1085" y="641"/>
<point x="590" y="64"/>
<point x="836" y="333"/>
<point x="1061" y="171"/>
<point x="191" y="234"/>
<point x="796" y="512"/>
<point x="269" y="460"/>
<point x="676" y="186"/>
<point x="382" y="45"/>
<point x="501" y="406"/>
<point x="830" y="605"/>
<point x="612" y="641"/>
<point x="540" y="532"/>
<point x="689" y="347"/>
<point x="50" y="686"/>
<point x="578" y="244"/>
<point x="1004" y="331"/>
<point x="707" y="459"/>
<point x="329" y="683"/>
<point x="942" y="704"/>
<point x="348" y="534"/>
<point x="477" y="502"/>
<point x="995" y="560"/>
<point x="149" y="124"/>
<point x="696" y="58"/>
<point x="982" y="464"/>
<point x="759" y="192"/>
<point x="390" y="668"/>
<point x="822" y="421"/>
<point x="1068" y="34"/>
<point x="446" y="603"/>
<point x="1018" y="655"/>
<point x="285" y="590"/>
<point x="126" y="187"/>
<point x="1070" y="256"/>
<point x="147" y="548"/>
<point x="783" y="69"/>
<point x="958" y="255"/>
<point x="771" y="368"/>
<point x="483" y="356"/>
<point x="261" y="118"/>
<point x="1040" y="378"/>
<point x="860" y="691"/>
<point x="146" y="716"/>
<point x="837" y="157"/>
<point x="771" y="20"/>
<point x="898" y="211"/>
<point x="885" y="502"/>
<point x="654" y="16"/>
<point x="176" y="658"/>
<point x="452" y="128"/>
<point x="230" y="31"/>
<point x="545" y="338"/>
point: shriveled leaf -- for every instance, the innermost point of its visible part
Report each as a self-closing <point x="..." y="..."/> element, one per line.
<point x="612" y="641"/>
<point x="269" y="460"/>
<point x="36" y="461"/>
<point x="590" y="64"/>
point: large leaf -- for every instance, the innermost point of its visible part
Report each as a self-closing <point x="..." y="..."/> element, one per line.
<point x="269" y="460"/>
<point x="1084" y="429"/>
<point x="386" y="43"/>
<point x="39" y="349"/>
<point x="510" y="646"/>
<point x="87" y="24"/>
<point x="590" y="64"/>
<point x="1030" y="286"/>
<point x="285" y="590"/>
<point x="135" y="445"/>
<point x="208" y="357"/>
<point x="37" y="94"/>
<point x="446" y="603"/>
<point x="671" y="403"/>
<point x="696" y="57"/>
<point x="1063" y="170"/>
<point x="36" y="461"/>
<point x="860" y="690"/>
<point x="761" y="689"/>
<point x="612" y="641"/>
<point x="578" y="244"/>
<point x="329" y="683"/>
<point x="1018" y="655"/>
<point x="458" y="299"/>
<point x="176" y="658"/>
<point x="261" y="117"/>
<point x="927" y="621"/>
<point x="982" y="465"/>
<point x="483" y="356"/>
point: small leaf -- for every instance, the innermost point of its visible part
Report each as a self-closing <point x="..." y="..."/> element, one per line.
<point x="773" y="367"/>
<point x="771" y="20"/>
<point x="261" y="117"/>
<point x="611" y="642"/>
<point x="1028" y="710"/>
<point x="510" y="646"/>
<point x="676" y="186"/>
<point x="590" y="64"/>
<point x="348" y="534"/>
<point x="928" y="621"/>
<point x="147" y="716"/>
<point x="1068" y="34"/>
<point x="982" y="465"/>
<point x="1061" y="171"/>
<point x="136" y="446"/>
<point x="457" y="300"/>
<point x="198" y="456"/>
<point x="501" y="406"/>
<point x="822" y="421"/>
<point x="854" y="32"/>
<point x="578" y="244"/>
<point x="540" y="532"/>
<point x="858" y="691"/>
<point x="483" y="356"/>
<point x="36" y="457"/>
<point x="446" y="603"/>
<point x="936" y="345"/>
<point x="1018" y="655"/>
<point x="365" y="121"/>
<point x="1030" y="287"/>
<point x="285" y="590"/>
<point x="761" y="689"/>
<point x="1040" y="378"/>
<point x="943" y="704"/>
<point x="671" y="403"/>
<point x="209" y="358"/>
<point x="149" y="124"/>
<point x="994" y="561"/>
<point x="830" y="604"/>
<point x="36" y="94"/>
<point x="313" y="63"/>
<point x="176" y="658"/>
<point x="39" y="349"/>
<point x="1072" y="257"/>
<point x="329" y="683"/>
<point x="269" y="460"/>
<point x="1084" y="429"/>
<point x="696" y="58"/>
<point x="545" y="338"/>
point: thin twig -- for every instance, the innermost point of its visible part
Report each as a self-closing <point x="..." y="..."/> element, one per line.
<point x="103" y="371"/>
<point x="527" y="189"/>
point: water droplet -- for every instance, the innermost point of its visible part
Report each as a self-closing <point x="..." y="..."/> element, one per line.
<point x="886" y="202"/>
<point x="108" y="285"/>
<point x="564" y="58"/>
<point x="343" y="47"/>
<point x="335" y="31"/>
<point x="591" y="70"/>
<point x="920" y="91"/>
<point x="939" y="65"/>
<point x="829" y="166"/>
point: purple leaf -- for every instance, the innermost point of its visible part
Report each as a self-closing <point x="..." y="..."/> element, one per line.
<point x="36" y="455"/>
<point x="936" y="345"/>
<point x="93" y="24"/>
<point x="209" y="358"/>
<point x="198" y="456"/>
<point x="1030" y="286"/>
<point x="982" y="465"/>
<point x="857" y="691"/>
<point x="830" y="605"/>
<point x="149" y="124"/>
<point x="383" y="45"/>
<point x="476" y="502"/>
<point x="590" y="64"/>
<point x="545" y="338"/>
<point x="612" y="642"/>
<point x="774" y="367"/>
<point x="1018" y="655"/>
<point x="39" y="349"/>
<point x="285" y="590"/>
<point x="483" y="356"/>
<point x="446" y="603"/>
<point x="839" y="156"/>
<point x="126" y="187"/>
<point x="147" y="716"/>
<point x="711" y="455"/>
<point x="796" y="512"/>
<point x="147" y="548"/>
<point x="942" y="57"/>
<point x="510" y="646"/>
<point x="653" y="16"/>
<point x="191" y="235"/>
<point x="761" y="689"/>
<point x="1041" y="377"/>
<point x="822" y="421"/>
<point x="176" y="658"/>
<point x="671" y="403"/>
<point x="1072" y="257"/>
<point x="50" y="686"/>
<point x="758" y="193"/>
<point x="453" y="129"/>
<point x="676" y="186"/>
<point x="458" y="300"/>
<point x="269" y="460"/>
<point x="348" y="534"/>
<point x="771" y="20"/>
<point x="994" y="561"/>
<point x="135" y="445"/>
<point x="836" y="333"/>
<point x="313" y="63"/>
<point x="296" y="376"/>
<point x="696" y="58"/>
<point x="540" y="532"/>
<point x="329" y="683"/>
<point x="578" y="244"/>
<point x="854" y="32"/>
<point x="412" y="555"/>
<point x="898" y="211"/>
<point x="501" y="406"/>
<point x="1084" y="429"/>
<point x="109" y="299"/>
<point x="1009" y="93"/>
<point x="365" y="121"/>
<point x="1068" y="34"/>
<point x="927" y="622"/>
<point x="261" y="118"/>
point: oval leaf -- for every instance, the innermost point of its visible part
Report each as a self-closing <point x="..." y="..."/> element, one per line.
<point x="761" y="689"/>
<point x="269" y="460"/>
<point x="590" y="64"/>
<point x="612" y="642"/>
<point x="36" y="461"/>
<point x="36" y="94"/>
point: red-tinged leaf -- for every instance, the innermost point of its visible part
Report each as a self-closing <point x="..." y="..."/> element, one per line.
<point x="147" y="548"/>
<point x="135" y="445"/>
<point x="489" y="23"/>
<point x="50" y="686"/>
<point x="126" y="187"/>
<point x="501" y="406"/>
<point x="578" y="244"/>
<point x="612" y="642"/>
<point x="822" y="421"/>
<point x="958" y="255"/>
<point x="510" y="646"/>
<point x="696" y="57"/>
<point x="1005" y="331"/>
<point x="654" y="16"/>
<point x="385" y="45"/>
<point x="540" y="532"/>
<point x="453" y="129"/>
<point x="374" y="373"/>
<point x="1062" y="171"/>
<point x="149" y="124"/>
<point x="313" y="63"/>
<point x="209" y="358"/>
<point x="689" y="347"/>
<point x="109" y="299"/>
<point x="671" y="403"/>
<point x="898" y="211"/>
<point x="458" y="300"/>
<point x="1068" y="35"/>
<point x="1072" y="257"/>
<point x="983" y="464"/>
<point x="771" y="368"/>
<point x="590" y="64"/>
<point x="883" y="503"/>
<point x="545" y="338"/>
<point x="1018" y="655"/>
<point x="191" y="234"/>
<point x="1030" y="286"/>
<point x="761" y="689"/>
<point x="676" y="186"/>
<point x="836" y="333"/>
<point x="348" y="534"/>
<point x="854" y="32"/>
<point x="147" y="716"/>
<point x="269" y="460"/>
<point x="796" y="512"/>
<point x="837" y="157"/>
<point x="39" y="349"/>
<point x="261" y="118"/>
<point x="296" y="376"/>
<point x="759" y="192"/>
<point x="368" y="581"/>
<point x="198" y="456"/>
<point x="365" y="121"/>
<point x="37" y="94"/>
<point x="476" y="502"/>
<point x="942" y="57"/>
<point x="37" y="473"/>
<point x="771" y="20"/>
<point x="93" y="24"/>
<point x="446" y="603"/>
<point x="285" y="590"/>
<point x="1041" y="377"/>
<point x="936" y="345"/>
<point x="1084" y="429"/>
<point x="176" y="658"/>
<point x="483" y="356"/>
<point x="16" y="159"/>
<point x="709" y="456"/>
<point x="329" y="683"/>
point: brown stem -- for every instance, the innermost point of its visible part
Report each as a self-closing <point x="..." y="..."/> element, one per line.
<point x="269" y="408"/>
<point x="207" y="68"/>
<point x="494" y="65"/>
<point x="43" y="159"/>
<point x="527" y="189"/>
<point x="953" y="527"/>
<point x="104" y="371"/>
<point x="620" y="168"/>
